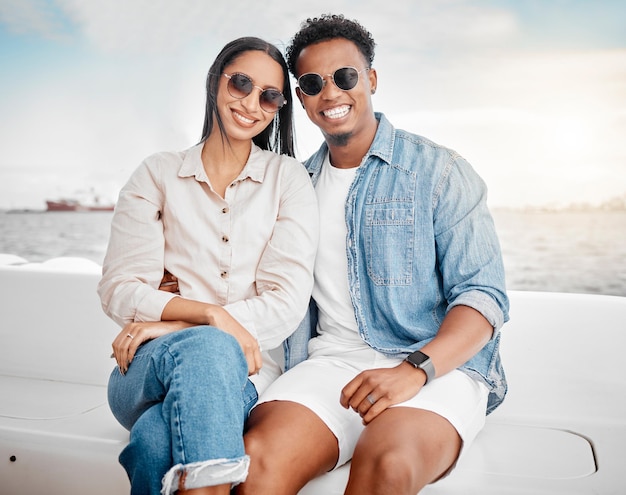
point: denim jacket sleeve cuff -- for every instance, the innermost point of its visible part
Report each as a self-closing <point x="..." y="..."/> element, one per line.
<point x="485" y="305"/>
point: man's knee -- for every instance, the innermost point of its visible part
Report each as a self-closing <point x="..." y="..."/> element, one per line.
<point x="391" y="468"/>
<point x="253" y="445"/>
<point x="260" y="445"/>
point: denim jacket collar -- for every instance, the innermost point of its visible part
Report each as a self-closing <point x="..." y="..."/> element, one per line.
<point x="382" y="147"/>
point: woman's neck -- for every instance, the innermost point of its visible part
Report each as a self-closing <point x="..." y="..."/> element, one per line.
<point x="224" y="161"/>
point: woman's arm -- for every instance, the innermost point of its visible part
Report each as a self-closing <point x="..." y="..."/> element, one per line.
<point x="211" y="314"/>
<point x="133" y="265"/>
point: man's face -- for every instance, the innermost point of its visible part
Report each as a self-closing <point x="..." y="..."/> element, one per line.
<point x="339" y="114"/>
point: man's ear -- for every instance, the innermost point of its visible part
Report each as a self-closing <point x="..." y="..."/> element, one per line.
<point x="373" y="78"/>
<point x="300" y="96"/>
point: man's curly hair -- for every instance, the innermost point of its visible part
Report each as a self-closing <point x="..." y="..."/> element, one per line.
<point x="328" y="27"/>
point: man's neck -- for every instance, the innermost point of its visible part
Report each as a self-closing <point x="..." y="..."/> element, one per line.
<point x="347" y="151"/>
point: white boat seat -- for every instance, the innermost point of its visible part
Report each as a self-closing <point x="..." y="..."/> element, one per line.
<point x="560" y="430"/>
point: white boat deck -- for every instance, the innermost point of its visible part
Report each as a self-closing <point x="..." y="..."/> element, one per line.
<point x="561" y="430"/>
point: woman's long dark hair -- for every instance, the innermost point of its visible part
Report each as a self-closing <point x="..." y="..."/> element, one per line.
<point x="279" y="135"/>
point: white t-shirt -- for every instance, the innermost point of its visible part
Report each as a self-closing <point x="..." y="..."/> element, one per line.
<point x="337" y="322"/>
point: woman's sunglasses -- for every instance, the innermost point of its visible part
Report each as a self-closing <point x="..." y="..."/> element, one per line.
<point x="344" y="78"/>
<point x="240" y="85"/>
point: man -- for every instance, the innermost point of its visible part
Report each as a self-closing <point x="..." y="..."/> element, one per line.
<point x="409" y="296"/>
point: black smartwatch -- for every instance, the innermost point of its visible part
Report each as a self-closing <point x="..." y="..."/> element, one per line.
<point x="420" y="360"/>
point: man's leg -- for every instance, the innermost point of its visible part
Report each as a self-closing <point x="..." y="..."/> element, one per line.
<point x="401" y="451"/>
<point x="288" y="446"/>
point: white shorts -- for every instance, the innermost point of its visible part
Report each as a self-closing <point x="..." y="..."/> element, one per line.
<point x="317" y="383"/>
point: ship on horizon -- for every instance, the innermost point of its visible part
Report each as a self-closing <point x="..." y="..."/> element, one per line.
<point x="66" y="204"/>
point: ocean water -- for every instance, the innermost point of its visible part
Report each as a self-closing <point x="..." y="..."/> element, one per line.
<point x="565" y="251"/>
<point x="569" y="251"/>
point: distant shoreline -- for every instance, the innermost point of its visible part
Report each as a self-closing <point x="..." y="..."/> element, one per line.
<point x="43" y="210"/>
<point x="559" y="209"/>
<point x="617" y="203"/>
<point x="515" y="209"/>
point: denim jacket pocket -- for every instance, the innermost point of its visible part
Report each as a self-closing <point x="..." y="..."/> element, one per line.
<point x="389" y="243"/>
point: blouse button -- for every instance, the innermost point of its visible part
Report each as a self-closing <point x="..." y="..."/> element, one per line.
<point x="225" y="238"/>
<point x="224" y="274"/>
<point x="225" y="209"/>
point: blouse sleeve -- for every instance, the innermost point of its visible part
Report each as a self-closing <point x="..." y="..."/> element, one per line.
<point x="133" y="265"/>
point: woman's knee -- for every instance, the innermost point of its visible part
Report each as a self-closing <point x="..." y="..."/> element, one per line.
<point x="208" y="344"/>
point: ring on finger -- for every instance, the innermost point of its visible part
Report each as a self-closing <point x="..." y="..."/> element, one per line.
<point x="371" y="399"/>
<point x="130" y="336"/>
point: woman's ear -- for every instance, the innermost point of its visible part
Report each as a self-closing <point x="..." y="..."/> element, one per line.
<point x="300" y="97"/>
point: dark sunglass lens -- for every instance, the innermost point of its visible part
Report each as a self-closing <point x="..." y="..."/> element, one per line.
<point x="346" y="78"/>
<point x="272" y="100"/>
<point x="240" y="85"/>
<point x="311" y="84"/>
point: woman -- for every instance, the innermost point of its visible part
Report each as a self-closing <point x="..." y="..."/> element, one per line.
<point x="230" y="218"/>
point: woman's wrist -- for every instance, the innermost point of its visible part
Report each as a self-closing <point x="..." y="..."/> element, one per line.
<point x="210" y="314"/>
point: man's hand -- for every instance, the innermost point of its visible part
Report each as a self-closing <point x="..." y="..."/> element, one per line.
<point x="373" y="391"/>
<point x="169" y="283"/>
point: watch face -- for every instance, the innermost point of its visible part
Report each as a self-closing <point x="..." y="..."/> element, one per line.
<point x="418" y="358"/>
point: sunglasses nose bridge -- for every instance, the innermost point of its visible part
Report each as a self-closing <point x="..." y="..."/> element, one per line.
<point x="259" y="102"/>
<point x="252" y="100"/>
<point x="332" y="88"/>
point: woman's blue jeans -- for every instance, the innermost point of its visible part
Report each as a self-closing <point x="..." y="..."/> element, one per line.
<point x="184" y="398"/>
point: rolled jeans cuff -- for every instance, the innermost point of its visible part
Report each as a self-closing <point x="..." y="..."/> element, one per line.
<point x="206" y="473"/>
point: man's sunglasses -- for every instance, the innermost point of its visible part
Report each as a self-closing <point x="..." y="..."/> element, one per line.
<point x="240" y="85"/>
<point x="345" y="78"/>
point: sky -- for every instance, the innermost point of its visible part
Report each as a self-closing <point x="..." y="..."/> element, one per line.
<point x="531" y="92"/>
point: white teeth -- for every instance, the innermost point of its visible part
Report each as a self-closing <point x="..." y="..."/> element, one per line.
<point x="243" y="119"/>
<point x="338" y="112"/>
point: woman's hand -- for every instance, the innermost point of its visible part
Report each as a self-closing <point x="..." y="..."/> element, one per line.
<point x="222" y="319"/>
<point x="134" y="334"/>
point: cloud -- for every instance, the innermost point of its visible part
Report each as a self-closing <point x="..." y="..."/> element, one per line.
<point x="157" y="26"/>
<point x="541" y="128"/>
<point x="154" y="26"/>
<point x="437" y="26"/>
<point x="32" y="17"/>
<point x="452" y="70"/>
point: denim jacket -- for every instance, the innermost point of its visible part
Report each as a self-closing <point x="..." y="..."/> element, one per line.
<point x="420" y="241"/>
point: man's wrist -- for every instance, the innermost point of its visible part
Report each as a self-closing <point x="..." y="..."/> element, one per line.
<point x="423" y="362"/>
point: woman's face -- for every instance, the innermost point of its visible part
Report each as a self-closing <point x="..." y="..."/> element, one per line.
<point x="242" y="115"/>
